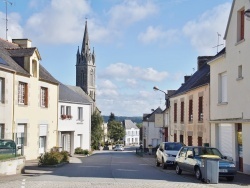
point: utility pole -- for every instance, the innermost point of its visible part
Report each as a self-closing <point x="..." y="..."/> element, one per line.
<point x="6" y="7"/>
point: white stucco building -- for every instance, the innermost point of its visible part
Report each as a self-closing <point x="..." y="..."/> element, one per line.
<point x="74" y="118"/>
<point x="230" y="101"/>
<point x="132" y="136"/>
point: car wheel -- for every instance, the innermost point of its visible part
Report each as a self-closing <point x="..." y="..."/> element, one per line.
<point x="231" y="178"/>
<point x="164" y="166"/>
<point x="177" y="169"/>
<point x="198" y="173"/>
<point x="157" y="162"/>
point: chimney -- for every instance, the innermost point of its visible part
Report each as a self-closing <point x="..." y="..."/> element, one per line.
<point x="201" y="60"/>
<point x="23" y="43"/>
<point x="186" y="78"/>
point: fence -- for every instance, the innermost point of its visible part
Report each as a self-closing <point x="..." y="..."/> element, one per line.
<point x="8" y="149"/>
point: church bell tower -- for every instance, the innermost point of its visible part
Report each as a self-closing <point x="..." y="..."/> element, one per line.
<point x="85" y="66"/>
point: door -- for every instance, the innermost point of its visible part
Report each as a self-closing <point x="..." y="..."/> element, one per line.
<point x="240" y="151"/>
<point x="181" y="158"/>
<point x="189" y="160"/>
<point x="42" y="141"/>
<point x="66" y="142"/>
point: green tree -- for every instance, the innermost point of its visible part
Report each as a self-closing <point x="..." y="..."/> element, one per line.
<point x="96" y="129"/>
<point x="111" y="117"/>
<point x="139" y="125"/>
<point x="116" y="131"/>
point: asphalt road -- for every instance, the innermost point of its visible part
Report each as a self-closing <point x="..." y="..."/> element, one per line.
<point x="105" y="169"/>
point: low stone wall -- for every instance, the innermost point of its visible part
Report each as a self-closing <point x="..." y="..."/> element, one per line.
<point x="12" y="166"/>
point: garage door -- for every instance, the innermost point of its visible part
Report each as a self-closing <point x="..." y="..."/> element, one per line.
<point x="226" y="133"/>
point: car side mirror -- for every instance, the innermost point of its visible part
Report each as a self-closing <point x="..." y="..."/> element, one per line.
<point x="228" y="158"/>
<point x="161" y="149"/>
<point x="190" y="156"/>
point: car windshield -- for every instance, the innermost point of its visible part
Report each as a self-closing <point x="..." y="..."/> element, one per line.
<point x="173" y="146"/>
<point x="209" y="151"/>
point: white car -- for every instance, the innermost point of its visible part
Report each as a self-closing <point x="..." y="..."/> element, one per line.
<point x="166" y="153"/>
<point x="119" y="147"/>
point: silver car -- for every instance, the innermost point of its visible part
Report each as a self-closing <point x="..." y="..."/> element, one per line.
<point x="189" y="159"/>
<point x="166" y="153"/>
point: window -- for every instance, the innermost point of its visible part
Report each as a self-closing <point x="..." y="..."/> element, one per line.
<point x="22" y="93"/>
<point x="2" y="90"/>
<point x="62" y="110"/>
<point x="200" y="110"/>
<point x="223" y="88"/>
<point x="241" y="24"/>
<point x="175" y="137"/>
<point x="183" y="152"/>
<point x="181" y="138"/>
<point x="1" y="131"/>
<point x="199" y="141"/>
<point x="175" y="112"/>
<point x="182" y="111"/>
<point x="190" y="140"/>
<point x="68" y="111"/>
<point x="240" y="72"/>
<point x="22" y="134"/>
<point x="190" y="115"/>
<point x="80" y="113"/>
<point x="44" y="97"/>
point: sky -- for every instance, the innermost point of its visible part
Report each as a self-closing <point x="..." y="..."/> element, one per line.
<point x="138" y="44"/>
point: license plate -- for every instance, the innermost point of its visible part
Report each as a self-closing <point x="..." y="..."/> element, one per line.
<point x="222" y="170"/>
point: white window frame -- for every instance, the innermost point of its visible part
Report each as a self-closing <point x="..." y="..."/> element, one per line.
<point x="62" y="110"/>
<point x="223" y="88"/>
<point x="240" y="72"/>
<point x="21" y="134"/>
<point x="68" y="110"/>
<point x="80" y="113"/>
<point x="43" y="96"/>
<point x="21" y="92"/>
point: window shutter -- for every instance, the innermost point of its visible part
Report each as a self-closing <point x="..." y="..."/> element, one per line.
<point x="46" y="98"/>
<point x="26" y="94"/>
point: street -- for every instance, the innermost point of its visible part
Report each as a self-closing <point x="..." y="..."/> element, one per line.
<point x="107" y="169"/>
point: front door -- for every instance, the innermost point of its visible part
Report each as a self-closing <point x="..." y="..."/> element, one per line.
<point x="42" y="144"/>
<point x="66" y="142"/>
<point x="240" y="151"/>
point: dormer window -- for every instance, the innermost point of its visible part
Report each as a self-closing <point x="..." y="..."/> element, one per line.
<point x="34" y="68"/>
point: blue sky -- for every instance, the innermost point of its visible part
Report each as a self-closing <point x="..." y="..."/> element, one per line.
<point x="138" y="44"/>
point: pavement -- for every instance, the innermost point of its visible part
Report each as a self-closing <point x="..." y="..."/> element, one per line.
<point x="32" y="169"/>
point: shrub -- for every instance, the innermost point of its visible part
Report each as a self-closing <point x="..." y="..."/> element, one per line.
<point x="78" y="150"/>
<point x="53" y="158"/>
<point x="86" y="152"/>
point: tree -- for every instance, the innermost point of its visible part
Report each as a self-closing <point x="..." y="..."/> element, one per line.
<point x="139" y="125"/>
<point x="116" y="131"/>
<point x="96" y="129"/>
<point x="111" y="117"/>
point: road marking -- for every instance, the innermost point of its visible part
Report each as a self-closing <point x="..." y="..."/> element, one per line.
<point x="23" y="183"/>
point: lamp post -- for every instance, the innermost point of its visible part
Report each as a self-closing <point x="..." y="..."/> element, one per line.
<point x="164" y="118"/>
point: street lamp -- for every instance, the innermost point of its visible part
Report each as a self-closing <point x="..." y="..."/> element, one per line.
<point x="157" y="89"/>
<point x="167" y="106"/>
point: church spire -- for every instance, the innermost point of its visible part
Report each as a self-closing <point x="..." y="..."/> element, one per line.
<point x="85" y="42"/>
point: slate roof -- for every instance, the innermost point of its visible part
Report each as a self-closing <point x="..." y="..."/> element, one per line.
<point x="11" y="55"/>
<point x="151" y="117"/>
<point x="128" y="124"/>
<point x="74" y="94"/>
<point x="199" y="78"/>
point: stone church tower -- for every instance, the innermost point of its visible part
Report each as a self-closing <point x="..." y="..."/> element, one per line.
<point x="85" y="67"/>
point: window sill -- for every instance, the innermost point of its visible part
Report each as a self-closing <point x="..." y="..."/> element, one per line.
<point x="239" y="42"/>
<point x="222" y="103"/>
<point x="240" y="78"/>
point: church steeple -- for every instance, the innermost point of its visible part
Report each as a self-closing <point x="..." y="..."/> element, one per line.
<point x="85" y="66"/>
<point x="85" y="42"/>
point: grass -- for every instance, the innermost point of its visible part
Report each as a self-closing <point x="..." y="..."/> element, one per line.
<point x="7" y="156"/>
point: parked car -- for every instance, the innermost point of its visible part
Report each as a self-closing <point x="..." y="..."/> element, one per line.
<point x="118" y="147"/>
<point x="189" y="158"/>
<point x="166" y="153"/>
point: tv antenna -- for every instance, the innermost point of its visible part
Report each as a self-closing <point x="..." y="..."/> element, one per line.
<point x="6" y="9"/>
<point x="218" y="42"/>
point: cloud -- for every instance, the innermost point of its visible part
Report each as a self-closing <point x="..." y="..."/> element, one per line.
<point x="203" y="31"/>
<point x="157" y="34"/>
<point x="121" y="71"/>
<point x="58" y="22"/>
<point x="14" y="28"/>
<point x="130" y="12"/>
